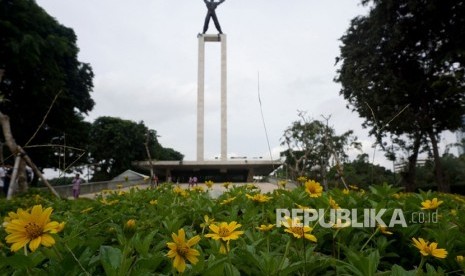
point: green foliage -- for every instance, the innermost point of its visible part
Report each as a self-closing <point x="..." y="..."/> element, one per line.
<point x="362" y="173"/>
<point x="96" y="240"/>
<point x="454" y="173"/>
<point x="403" y="68"/>
<point x="115" y="143"/>
<point x="39" y="56"/>
<point x="311" y="145"/>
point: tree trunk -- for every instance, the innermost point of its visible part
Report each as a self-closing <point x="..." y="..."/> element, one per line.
<point x="442" y="185"/>
<point x="2" y="160"/>
<point x="15" y="149"/>
<point x="22" y="177"/>
<point x="410" y="174"/>
<point x="146" y="144"/>
<point x="14" y="178"/>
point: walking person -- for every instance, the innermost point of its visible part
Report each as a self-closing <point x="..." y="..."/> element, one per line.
<point x="195" y="181"/>
<point x="76" y="186"/>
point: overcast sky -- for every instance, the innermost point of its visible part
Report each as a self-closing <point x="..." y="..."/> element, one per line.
<point x="144" y="56"/>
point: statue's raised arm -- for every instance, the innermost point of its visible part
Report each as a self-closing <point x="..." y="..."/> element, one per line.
<point x="211" y="6"/>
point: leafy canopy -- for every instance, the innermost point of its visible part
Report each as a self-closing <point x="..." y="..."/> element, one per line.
<point x="39" y="59"/>
<point x="116" y="143"/>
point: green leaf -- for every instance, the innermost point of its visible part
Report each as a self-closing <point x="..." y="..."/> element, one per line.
<point x="18" y="261"/>
<point x="230" y="270"/>
<point x="400" y="271"/>
<point x="111" y="259"/>
<point x="215" y="267"/>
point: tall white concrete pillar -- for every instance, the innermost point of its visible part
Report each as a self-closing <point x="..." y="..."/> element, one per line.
<point x="201" y="100"/>
<point x="201" y="96"/>
<point x="224" y="100"/>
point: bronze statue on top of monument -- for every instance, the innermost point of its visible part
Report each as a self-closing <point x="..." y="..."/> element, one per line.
<point x="211" y="6"/>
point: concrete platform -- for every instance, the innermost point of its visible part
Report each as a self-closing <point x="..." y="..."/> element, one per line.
<point x="218" y="171"/>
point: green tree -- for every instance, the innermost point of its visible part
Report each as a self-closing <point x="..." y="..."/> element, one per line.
<point x="39" y="59"/>
<point x="362" y="173"/>
<point x="454" y="173"/>
<point x="312" y="145"/>
<point x="115" y="143"/>
<point x="403" y="71"/>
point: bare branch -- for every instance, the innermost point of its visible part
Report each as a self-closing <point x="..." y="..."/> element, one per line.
<point x="45" y="117"/>
<point x="393" y="118"/>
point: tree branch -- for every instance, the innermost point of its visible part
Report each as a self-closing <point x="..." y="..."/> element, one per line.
<point x="45" y="117"/>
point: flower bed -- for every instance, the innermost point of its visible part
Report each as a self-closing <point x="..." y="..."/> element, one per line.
<point x="171" y="230"/>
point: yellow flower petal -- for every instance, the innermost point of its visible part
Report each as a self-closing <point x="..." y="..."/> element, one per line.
<point x="179" y="263"/>
<point x="34" y="244"/>
<point x="18" y="245"/>
<point x="47" y="240"/>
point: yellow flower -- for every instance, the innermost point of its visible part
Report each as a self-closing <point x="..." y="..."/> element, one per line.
<point x="427" y="248"/>
<point x="453" y="212"/>
<point x="333" y="203"/>
<point x="313" y="188"/>
<point x="226" y="184"/>
<point x="180" y="250"/>
<point x="384" y="230"/>
<point x="298" y="230"/>
<point x="265" y="228"/>
<point x="199" y="189"/>
<point x="33" y="228"/>
<point x="112" y="202"/>
<point x="459" y="258"/>
<point x="302" y="179"/>
<point x="228" y="200"/>
<point x="345" y="191"/>
<point x="180" y="191"/>
<point x="209" y="184"/>
<point x="431" y="204"/>
<point x="282" y="183"/>
<point x="207" y="222"/>
<point x="259" y="198"/>
<point x="153" y="202"/>
<point x="225" y="231"/>
<point x="130" y="224"/>
<point x="251" y="187"/>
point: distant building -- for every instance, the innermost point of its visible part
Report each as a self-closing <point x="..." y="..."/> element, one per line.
<point x="461" y="137"/>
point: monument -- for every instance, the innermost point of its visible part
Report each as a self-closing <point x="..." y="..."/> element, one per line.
<point x="202" y="38"/>
<point x="223" y="169"/>
<point x="211" y="6"/>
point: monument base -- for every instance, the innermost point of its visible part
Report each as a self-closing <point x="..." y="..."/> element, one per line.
<point x="217" y="171"/>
